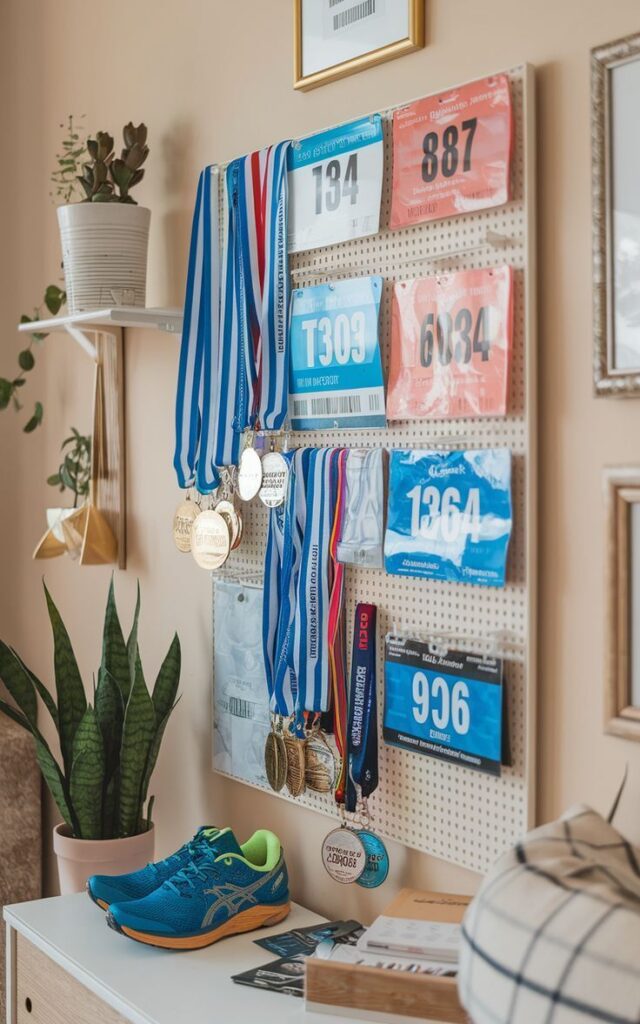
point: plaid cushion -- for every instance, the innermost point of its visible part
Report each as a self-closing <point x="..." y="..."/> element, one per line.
<point x="553" y="934"/>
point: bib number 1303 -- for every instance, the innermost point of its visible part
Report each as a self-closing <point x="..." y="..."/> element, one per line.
<point x="334" y="187"/>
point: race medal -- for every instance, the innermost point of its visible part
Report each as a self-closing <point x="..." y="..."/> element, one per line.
<point x="249" y="476"/>
<point x="275" y="760"/>
<point x="185" y="515"/>
<point x="295" y="749"/>
<point x="210" y="540"/>
<point x="226" y="509"/>
<point x="343" y="855"/>
<point x="275" y="475"/>
<point x="236" y="543"/>
<point x="320" y="765"/>
<point x="377" y="860"/>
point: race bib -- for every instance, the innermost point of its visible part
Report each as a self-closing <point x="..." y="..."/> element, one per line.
<point x="452" y="153"/>
<point x="447" y="706"/>
<point x="335" y="368"/>
<point x="335" y="185"/>
<point x="449" y="515"/>
<point x="450" y="345"/>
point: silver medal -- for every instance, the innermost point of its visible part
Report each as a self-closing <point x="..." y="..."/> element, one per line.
<point x="343" y="855"/>
<point x="249" y="476"/>
<point x="275" y="476"/>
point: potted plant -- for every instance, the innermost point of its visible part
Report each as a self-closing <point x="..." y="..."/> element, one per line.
<point x="108" y="748"/>
<point x="104" y="237"/>
<point x="73" y="474"/>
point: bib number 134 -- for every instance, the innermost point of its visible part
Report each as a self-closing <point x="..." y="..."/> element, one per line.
<point x="334" y="187"/>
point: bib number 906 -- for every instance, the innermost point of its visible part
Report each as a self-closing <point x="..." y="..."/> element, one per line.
<point x="445" y="707"/>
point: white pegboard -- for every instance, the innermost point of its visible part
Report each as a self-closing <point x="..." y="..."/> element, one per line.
<point x="443" y="809"/>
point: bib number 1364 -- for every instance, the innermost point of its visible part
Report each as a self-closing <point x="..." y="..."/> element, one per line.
<point x="438" y="515"/>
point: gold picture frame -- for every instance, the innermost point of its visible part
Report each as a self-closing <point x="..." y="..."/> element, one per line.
<point x="612" y="374"/>
<point x="622" y="493"/>
<point x="415" y="40"/>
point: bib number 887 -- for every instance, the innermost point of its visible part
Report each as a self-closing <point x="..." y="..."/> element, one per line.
<point x="443" y="705"/>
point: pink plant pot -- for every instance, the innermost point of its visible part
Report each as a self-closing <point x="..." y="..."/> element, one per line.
<point x="78" y="859"/>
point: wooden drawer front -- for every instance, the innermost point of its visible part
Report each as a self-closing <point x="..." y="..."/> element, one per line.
<point x="46" y="994"/>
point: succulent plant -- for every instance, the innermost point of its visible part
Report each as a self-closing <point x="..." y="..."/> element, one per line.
<point x="106" y="178"/>
<point x="109" y="749"/>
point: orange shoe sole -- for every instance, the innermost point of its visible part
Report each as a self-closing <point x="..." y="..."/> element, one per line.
<point x="246" y="921"/>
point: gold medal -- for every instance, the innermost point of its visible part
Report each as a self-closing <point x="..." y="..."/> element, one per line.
<point x="226" y="509"/>
<point x="240" y="530"/>
<point x="295" y="764"/>
<point x="249" y="476"/>
<point x="320" y="764"/>
<point x="275" y="760"/>
<point x="210" y="540"/>
<point x="184" y="517"/>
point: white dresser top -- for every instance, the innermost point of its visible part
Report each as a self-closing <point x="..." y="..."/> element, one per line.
<point x="157" y="986"/>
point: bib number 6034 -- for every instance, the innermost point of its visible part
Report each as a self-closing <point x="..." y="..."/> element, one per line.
<point x="443" y="705"/>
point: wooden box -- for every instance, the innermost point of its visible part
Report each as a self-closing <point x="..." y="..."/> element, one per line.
<point x="384" y="991"/>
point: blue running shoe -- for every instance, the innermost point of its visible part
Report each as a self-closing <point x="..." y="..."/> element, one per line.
<point x="107" y="889"/>
<point x="225" y="889"/>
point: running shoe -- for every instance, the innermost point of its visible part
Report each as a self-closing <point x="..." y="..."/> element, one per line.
<point x="224" y="889"/>
<point x="107" y="889"/>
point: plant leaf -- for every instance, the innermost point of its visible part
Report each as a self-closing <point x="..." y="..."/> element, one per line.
<point x="138" y="733"/>
<point x="45" y="696"/>
<point x="133" y="654"/>
<point x="110" y="715"/>
<point x="26" y="359"/>
<point x="72" y="701"/>
<point x="166" y="685"/>
<point x="6" y="390"/>
<point x="152" y="757"/>
<point x="19" y="684"/>
<point x="87" y="776"/>
<point x="114" y="651"/>
<point x="13" y="713"/>
<point x="56" y="782"/>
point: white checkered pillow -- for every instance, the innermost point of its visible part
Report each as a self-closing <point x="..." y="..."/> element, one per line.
<point x="553" y="934"/>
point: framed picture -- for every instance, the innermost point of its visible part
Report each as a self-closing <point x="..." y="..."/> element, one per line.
<point x="622" y="652"/>
<point x="334" y="38"/>
<point x="615" y="88"/>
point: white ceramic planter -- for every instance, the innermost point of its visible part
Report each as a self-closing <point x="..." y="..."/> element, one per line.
<point x="104" y="252"/>
<point x="78" y="859"/>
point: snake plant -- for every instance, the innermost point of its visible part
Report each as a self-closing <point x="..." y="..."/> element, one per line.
<point x="108" y="748"/>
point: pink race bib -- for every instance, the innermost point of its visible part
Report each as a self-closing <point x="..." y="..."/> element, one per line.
<point x="451" y="153"/>
<point x="451" y="341"/>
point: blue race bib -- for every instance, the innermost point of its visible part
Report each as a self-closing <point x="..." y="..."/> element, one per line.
<point x="449" y="515"/>
<point x="335" y="368"/>
<point x="447" y="706"/>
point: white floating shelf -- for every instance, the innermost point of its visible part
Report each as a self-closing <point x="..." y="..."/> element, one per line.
<point x="117" y="316"/>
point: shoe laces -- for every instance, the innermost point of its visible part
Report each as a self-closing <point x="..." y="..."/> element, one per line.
<point x="191" y="848"/>
<point x="186" y="877"/>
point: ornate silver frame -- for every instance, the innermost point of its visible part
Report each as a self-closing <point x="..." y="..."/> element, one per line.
<point x="607" y="380"/>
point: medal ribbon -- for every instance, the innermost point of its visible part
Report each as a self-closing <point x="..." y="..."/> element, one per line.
<point x="233" y="368"/>
<point x="363" y="716"/>
<point x="199" y="346"/>
<point x="336" y="636"/>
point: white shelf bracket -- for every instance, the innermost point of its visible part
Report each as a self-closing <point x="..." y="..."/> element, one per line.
<point x="78" y="335"/>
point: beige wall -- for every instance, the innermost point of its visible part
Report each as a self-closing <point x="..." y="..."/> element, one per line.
<point x="212" y="80"/>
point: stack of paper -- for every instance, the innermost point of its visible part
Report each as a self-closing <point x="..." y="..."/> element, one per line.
<point x="422" y="925"/>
